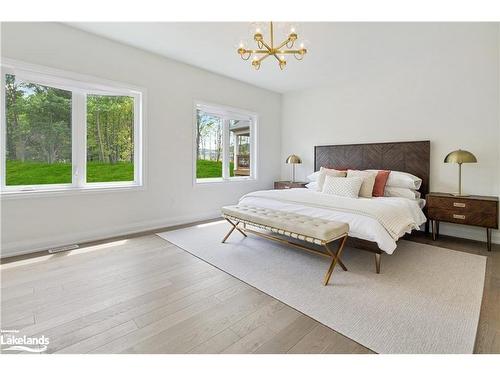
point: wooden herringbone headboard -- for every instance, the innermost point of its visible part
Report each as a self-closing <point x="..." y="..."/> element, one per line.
<point x="410" y="157"/>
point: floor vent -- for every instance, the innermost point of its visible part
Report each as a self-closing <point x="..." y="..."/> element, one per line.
<point x="63" y="248"/>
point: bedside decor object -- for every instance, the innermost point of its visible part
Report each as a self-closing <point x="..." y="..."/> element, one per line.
<point x="293" y="159"/>
<point x="480" y="211"/>
<point x="278" y="185"/>
<point x="459" y="157"/>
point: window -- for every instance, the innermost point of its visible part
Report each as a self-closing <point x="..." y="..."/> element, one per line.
<point x="59" y="133"/>
<point x="38" y="147"/>
<point x="224" y="144"/>
<point x="110" y="138"/>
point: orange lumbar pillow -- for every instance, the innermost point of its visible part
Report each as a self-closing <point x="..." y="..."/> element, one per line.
<point x="380" y="182"/>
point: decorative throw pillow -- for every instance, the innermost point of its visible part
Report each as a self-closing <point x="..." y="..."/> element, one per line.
<point x="402" y="180"/>
<point x="380" y="182"/>
<point x="342" y="186"/>
<point x="391" y="191"/>
<point x="313" y="185"/>
<point x="313" y="177"/>
<point x="368" y="181"/>
<point x="323" y="172"/>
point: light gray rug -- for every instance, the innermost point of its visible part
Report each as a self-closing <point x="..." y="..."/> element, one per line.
<point x="427" y="299"/>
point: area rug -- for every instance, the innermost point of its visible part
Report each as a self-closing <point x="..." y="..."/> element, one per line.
<point x="426" y="299"/>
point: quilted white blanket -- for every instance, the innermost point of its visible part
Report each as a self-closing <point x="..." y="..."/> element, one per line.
<point x="395" y="215"/>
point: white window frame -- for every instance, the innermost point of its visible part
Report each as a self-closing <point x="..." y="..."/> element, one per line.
<point x="226" y="113"/>
<point x="80" y="86"/>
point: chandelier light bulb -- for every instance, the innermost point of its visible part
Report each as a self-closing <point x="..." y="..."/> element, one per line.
<point x="282" y="64"/>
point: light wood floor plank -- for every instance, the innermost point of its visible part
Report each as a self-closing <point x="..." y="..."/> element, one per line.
<point x="217" y="343"/>
<point x="286" y="338"/>
<point x="99" y="339"/>
<point x="325" y="340"/>
<point x="184" y="336"/>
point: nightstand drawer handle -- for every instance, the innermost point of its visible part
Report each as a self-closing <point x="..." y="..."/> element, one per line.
<point x="457" y="204"/>
<point x="461" y="217"/>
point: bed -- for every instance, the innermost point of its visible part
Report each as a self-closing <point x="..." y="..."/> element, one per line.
<point x="369" y="220"/>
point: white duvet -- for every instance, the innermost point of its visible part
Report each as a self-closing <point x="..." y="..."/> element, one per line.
<point x="367" y="218"/>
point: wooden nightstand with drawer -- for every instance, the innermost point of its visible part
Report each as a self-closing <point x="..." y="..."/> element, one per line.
<point x="289" y="184"/>
<point x="476" y="210"/>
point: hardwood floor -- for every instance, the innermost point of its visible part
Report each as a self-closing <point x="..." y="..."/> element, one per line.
<point x="144" y="295"/>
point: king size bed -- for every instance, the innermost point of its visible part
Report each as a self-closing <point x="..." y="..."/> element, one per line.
<point x="375" y="224"/>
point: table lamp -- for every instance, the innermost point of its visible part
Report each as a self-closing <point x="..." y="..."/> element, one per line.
<point x="459" y="157"/>
<point x="293" y="159"/>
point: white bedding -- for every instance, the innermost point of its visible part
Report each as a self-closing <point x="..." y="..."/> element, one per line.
<point x="361" y="226"/>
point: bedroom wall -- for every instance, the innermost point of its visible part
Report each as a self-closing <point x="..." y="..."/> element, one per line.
<point x="437" y="82"/>
<point x="169" y="197"/>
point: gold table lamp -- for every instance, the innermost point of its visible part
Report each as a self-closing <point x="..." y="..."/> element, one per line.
<point x="459" y="157"/>
<point x="293" y="159"/>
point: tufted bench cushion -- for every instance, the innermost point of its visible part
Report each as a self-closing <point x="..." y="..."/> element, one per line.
<point x="294" y="225"/>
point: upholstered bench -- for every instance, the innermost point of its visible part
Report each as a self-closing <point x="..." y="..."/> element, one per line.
<point x="300" y="227"/>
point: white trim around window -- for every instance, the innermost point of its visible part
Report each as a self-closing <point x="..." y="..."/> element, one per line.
<point x="226" y="113"/>
<point x="80" y="85"/>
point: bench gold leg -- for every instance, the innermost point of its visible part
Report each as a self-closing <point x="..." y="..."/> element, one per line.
<point x="377" y="262"/>
<point x="341" y="264"/>
<point x="335" y="260"/>
<point x="235" y="226"/>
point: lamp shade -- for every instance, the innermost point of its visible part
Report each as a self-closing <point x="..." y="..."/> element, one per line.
<point x="293" y="159"/>
<point x="460" y="156"/>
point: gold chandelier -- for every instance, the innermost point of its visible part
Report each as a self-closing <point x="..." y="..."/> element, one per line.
<point x="268" y="49"/>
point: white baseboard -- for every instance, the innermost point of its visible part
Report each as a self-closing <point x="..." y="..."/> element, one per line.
<point x="41" y="244"/>
<point x="45" y="243"/>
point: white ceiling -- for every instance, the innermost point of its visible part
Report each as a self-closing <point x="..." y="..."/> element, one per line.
<point x="336" y="51"/>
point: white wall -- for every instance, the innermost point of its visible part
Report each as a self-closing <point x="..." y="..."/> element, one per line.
<point x="170" y="197"/>
<point x="441" y="84"/>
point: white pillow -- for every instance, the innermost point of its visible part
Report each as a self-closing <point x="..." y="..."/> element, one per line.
<point x="342" y="186"/>
<point x="312" y="186"/>
<point x="313" y="177"/>
<point x="323" y="172"/>
<point x="402" y="180"/>
<point x="391" y="191"/>
<point x="368" y="177"/>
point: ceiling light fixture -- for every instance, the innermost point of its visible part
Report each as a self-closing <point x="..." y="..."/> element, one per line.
<point x="268" y="49"/>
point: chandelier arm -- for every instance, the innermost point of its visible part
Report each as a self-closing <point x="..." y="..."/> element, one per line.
<point x="267" y="46"/>
<point x="264" y="57"/>
<point x="291" y="43"/>
<point x="283" y="44"/>
<point x="276" y="56"/>
<point x="247" y="53"/>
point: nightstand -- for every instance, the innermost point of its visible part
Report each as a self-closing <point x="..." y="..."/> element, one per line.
<point x="289" y="184"/>
<point x="476" y="210"/>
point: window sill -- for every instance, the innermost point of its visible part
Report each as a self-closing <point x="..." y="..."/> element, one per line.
<point x="210" y="181"/>
<point x="66" y="191"/>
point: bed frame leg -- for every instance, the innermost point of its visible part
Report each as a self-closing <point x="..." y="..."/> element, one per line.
<point x="378" y="257"/>
<point x="335" y="260"/>
<point x="234" y="226"/>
